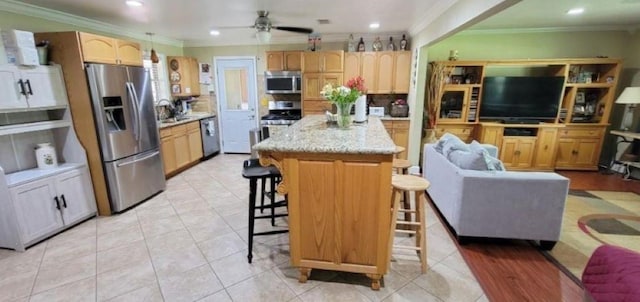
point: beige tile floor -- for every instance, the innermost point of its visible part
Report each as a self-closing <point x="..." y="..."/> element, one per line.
<point x="189" y="244"/>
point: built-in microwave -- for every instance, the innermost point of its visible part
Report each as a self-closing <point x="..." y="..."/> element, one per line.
<point x="282" y="82"/>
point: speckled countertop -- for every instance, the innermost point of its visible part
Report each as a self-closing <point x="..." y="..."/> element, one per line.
<point x="194" y="116"/>
<point x="313" y="134"/>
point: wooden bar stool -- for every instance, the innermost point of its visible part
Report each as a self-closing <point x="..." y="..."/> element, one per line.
<point x="400" y="166"/>
<point x="417" y="226"/>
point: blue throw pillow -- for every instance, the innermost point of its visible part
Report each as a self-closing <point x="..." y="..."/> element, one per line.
<point x="468" y="160"/>
<point x="453" y="143"/>
<point x="492" y="163"/>
<point x="443" y="140"/>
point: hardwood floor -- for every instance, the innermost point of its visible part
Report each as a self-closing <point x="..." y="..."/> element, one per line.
<point x="515" y="270"/>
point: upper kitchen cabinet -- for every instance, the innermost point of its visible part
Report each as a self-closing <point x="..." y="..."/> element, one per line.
<point x="284" y="60"/>
<point x="39" y="87"/>
<point x="323" y="61"/>
<point x="100" y="49"/>
<point x="183" y="76"/>
<point x="383" y="72"/>
<point x="392" y="72"/>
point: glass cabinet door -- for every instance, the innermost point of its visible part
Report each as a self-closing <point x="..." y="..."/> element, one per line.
<point x="453" y="104"/>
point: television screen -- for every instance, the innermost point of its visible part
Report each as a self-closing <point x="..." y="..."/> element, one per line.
<point x="521" y="98"/>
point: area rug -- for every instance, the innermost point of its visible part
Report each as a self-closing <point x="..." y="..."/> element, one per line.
<point x="594" y="218"/>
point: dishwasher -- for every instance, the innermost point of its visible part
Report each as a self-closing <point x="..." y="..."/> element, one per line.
<point x="210" y="136"/>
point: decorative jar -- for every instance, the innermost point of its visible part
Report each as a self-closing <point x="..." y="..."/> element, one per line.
<point x="46" y="156"/>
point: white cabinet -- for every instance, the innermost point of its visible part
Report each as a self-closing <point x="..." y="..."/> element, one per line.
<point x="31" y="87"/>
<point x="48" y="205"/>
<point x="36" y="210"/>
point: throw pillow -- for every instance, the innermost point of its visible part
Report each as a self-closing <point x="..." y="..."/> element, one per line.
<point x="492" y="163"/>
<point x="453" y="143"/>
<point x="468" y="160"/>
<point x="443" y="140"/>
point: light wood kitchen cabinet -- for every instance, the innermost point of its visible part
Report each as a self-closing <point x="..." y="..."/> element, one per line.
<point x="48" y="205"/>
<point x="323" y="61"/>
<point x="393" y="72"/>
<point x="181" y="145"/>
<point x="312" y="84"/>
<point x="362" y="64"/>
<point x="183" y="76"/>
<point x="546" y="149"/>
<point x="399" y="132"/>
<point x="195" y="141"/>
<point x="517" y="152"/>
<point x="101" y="49"/>
<point x="31" y="87"/>
<point x="383" y="72"/>
<point x="284" y="60"/>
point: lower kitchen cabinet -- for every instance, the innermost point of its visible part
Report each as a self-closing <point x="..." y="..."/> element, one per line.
<point x="180" y="145"/>
<point x="48" y="205"/>
<point x="399" y="132"/>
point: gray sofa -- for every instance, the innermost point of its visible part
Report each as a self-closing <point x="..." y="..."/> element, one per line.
<point x="496" y="204"/>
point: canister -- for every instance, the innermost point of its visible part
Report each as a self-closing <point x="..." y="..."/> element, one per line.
<point x="46" y="156"/>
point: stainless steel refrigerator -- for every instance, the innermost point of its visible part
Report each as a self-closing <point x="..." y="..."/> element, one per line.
<point x="124" y="113"/>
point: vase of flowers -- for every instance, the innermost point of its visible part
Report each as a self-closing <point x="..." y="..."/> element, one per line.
<point x="344" y="97"/>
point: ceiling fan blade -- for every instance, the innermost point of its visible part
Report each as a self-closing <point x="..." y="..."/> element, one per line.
<point x="301" y="30"/>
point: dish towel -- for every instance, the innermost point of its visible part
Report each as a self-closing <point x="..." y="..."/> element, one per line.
<point x="211" y="131"/>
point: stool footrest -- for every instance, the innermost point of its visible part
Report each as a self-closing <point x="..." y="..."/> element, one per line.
<point x="407" y="222"/>
<point x="406" y="211"/>
<point x="406" y="247"/>
<point x="282" y="203"/>
<point x="405" y="231"/>
<point x="269" y="216"/>
<point x="271" y="232"/>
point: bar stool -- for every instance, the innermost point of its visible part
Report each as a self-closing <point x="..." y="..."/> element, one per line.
<point x="400" y="166"/>
<point x="253" y="171"/>
<point x="417" y="184"/>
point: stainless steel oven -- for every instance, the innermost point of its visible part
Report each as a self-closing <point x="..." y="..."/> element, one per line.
<point x="283" y="82"/>
<point x="281" y="115"/>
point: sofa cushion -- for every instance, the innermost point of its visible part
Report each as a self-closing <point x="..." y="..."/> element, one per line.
<point x="468" y="160"/>
<point x="491" y="163"/>
<point x="451" y="143"/>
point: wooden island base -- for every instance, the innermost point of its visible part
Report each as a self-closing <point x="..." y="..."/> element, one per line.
<point x="338" y="186"/>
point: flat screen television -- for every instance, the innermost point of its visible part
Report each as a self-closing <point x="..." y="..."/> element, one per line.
<point x="520" y="98"/>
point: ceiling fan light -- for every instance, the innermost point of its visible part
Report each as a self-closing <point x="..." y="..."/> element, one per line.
<point x="263" y="36"/>
<point x="214" y="32"/>
<point x="135" y="3"/>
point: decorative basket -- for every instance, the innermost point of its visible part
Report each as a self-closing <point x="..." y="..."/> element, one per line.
<point x="399" y="110"/>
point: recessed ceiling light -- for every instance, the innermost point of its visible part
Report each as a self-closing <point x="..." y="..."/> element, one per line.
<point x="214" y="33"/>
<point x="575" y="11"/>
<point x="133" y="3"/>
<point x="374" y="25"/>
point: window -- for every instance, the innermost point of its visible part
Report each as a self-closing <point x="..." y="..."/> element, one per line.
<point x="159" y="77"/>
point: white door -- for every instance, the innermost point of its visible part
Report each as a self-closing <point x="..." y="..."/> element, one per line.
<point x="11" y="92"/>
<point x="237" y="101"/>
<point x="75" y="196"/>
<point x="45" y="87"/>
<point x="36" y="209"/>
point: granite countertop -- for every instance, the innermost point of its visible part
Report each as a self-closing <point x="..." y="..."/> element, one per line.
<point x="194" y="116"/>
<point x="313" y="134"/>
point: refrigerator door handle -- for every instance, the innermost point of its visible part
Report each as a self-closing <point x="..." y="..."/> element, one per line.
<point x="138" y="159"/>
<point x="134" y="99"/>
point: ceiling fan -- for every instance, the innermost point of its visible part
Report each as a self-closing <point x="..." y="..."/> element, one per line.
<point x="263" y="27"/>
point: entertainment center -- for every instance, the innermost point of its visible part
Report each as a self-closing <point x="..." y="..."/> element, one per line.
<point x="541" y="114"/>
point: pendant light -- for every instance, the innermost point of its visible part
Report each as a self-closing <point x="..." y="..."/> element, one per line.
<point x="154" y="55"/>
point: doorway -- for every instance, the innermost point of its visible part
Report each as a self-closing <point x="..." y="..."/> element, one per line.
<point x="237" y="101"/>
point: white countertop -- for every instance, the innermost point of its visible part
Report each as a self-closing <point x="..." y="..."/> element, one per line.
<point x="194" y="116"/>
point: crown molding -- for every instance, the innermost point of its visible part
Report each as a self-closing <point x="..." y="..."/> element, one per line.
<point x="26" y="9"/>
<point x="630" y="29"/>
<point x="298" y="39"/>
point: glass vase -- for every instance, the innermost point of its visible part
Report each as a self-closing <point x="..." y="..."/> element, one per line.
<point x="344" y="115"/>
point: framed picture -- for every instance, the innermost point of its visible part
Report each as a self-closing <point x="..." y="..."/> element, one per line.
<point x="175" y="88"/>
<point x="580" y="98"/>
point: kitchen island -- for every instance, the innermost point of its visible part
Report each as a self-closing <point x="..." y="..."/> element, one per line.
<point x="339" y="190"/>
